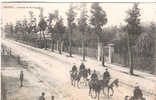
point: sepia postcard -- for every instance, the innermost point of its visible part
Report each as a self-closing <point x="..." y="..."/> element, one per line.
<point x="78" y="50"/>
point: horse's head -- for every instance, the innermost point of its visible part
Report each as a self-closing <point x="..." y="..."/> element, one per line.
<point x="116" y="82"/>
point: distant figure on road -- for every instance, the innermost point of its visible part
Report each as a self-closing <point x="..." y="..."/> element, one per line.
<point x="42" y="96"/>
<point x="137" y="93"/>
<point x="106" y="76"/>
<point x="21" y="78"/>
<point x="74" y="68"/>
<point x="126" y="98"/>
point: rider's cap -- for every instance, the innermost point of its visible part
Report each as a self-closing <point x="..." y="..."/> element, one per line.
<point x="43" y="93"/>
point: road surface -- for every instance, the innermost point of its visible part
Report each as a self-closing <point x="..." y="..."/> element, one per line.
<point x="52" y="70"/>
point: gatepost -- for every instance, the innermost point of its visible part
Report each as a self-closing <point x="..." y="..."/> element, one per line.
<point x="111" y="51"/>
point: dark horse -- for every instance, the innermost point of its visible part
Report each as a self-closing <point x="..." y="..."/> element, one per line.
<point x="98" y="85"/>
<point x="77" y="76"/>
<point x="84" y="76"/>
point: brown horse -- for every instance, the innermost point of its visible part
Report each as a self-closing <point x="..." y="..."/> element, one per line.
<point x="98" y="85"/>
<point x="75" y="78"/>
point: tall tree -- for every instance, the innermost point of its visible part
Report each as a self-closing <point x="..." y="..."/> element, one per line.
<point x="42" y="27"/>
<point x="133" y="29"/>
<point x="82" y="22"/>
<point x="24" y="28"/>
<point x="31" y="26"/>
<point x="70" y="19"/>
<point x="98" y="20"/>
<point x="60" y="30"/>
<point x="52" y="18"/>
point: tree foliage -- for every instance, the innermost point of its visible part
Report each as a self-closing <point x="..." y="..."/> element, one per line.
<point x="59" y="28"/>
<point x="133" y="27"/>
<point x="98" y="18"/>
<point x="145" y="43"/>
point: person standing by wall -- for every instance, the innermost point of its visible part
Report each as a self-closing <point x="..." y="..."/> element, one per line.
<point x="21" y="78"/>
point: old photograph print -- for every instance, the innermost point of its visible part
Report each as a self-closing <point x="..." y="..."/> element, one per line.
<point x="78" y="51"/>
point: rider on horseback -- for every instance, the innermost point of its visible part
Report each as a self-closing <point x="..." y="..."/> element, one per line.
<point x="82" y="67"/>
<point x="137" y="93"/>
<point x="94" y="76"/>
<point x="74" y="69"/>
<point x="106" y="76"/>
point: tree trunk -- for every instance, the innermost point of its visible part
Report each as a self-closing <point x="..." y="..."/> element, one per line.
<point x="70" y="44"/>
<point x="83" y="47"/>
<point x="57" y="45"/>
<point x="44" y="41"/>
<point x="40" y="41"/>
<point x="52" y="44"/>
<point x="61" y="47"/>
<point x="130" y="55"/>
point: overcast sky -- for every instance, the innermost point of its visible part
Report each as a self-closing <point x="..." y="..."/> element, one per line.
<point x="116" y="12"/>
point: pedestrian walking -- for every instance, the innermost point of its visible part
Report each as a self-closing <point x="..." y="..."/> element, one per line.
<point x="21" y="78"/>
<point x="42" y="96"/>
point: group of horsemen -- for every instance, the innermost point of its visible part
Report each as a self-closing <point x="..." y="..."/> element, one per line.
<point x="137" y="93"/>
<point x="94" y="76"/>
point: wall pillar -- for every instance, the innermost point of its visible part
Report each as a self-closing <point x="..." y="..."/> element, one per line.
<point x="111" y="51"/>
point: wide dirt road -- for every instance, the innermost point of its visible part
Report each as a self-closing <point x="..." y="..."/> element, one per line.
<point x="53" y="71"/>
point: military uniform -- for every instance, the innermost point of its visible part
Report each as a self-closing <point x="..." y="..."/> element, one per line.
<point x="82" y="67"/>
<point x="74" y="68"/>
<point x="94" y="76"/>
<point x="106" y="76"/>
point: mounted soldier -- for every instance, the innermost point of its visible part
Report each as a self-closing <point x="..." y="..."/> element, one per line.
<point x="74" y="69"/>
<point x="94" y="76"/>
<point x="106" y="76"/>
<point x="82" y="67"/>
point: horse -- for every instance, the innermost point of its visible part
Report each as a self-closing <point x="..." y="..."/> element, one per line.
<point x="95" y="86"/>
<point x="111" y="86"/>
<point x="75" y="78"/>
<point x="84" y="75"/>
<point x="99" y="85"/>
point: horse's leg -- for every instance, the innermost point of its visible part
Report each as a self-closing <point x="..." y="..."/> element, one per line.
<point x="96" y="92"/>
<point x="74" y="82"/>
<point x="85" y="81"/>
<point x="71" y="82"/>
<point x="78" y="83"/>
<point x="99" y="95"/>
<point x="103" y="90"/>
<point x="108" y="91"/>
<point x="112" y="91"/>
<point x="89" y="90"/>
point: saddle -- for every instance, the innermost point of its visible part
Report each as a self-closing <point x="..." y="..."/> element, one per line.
<point x="108" y="81"/>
